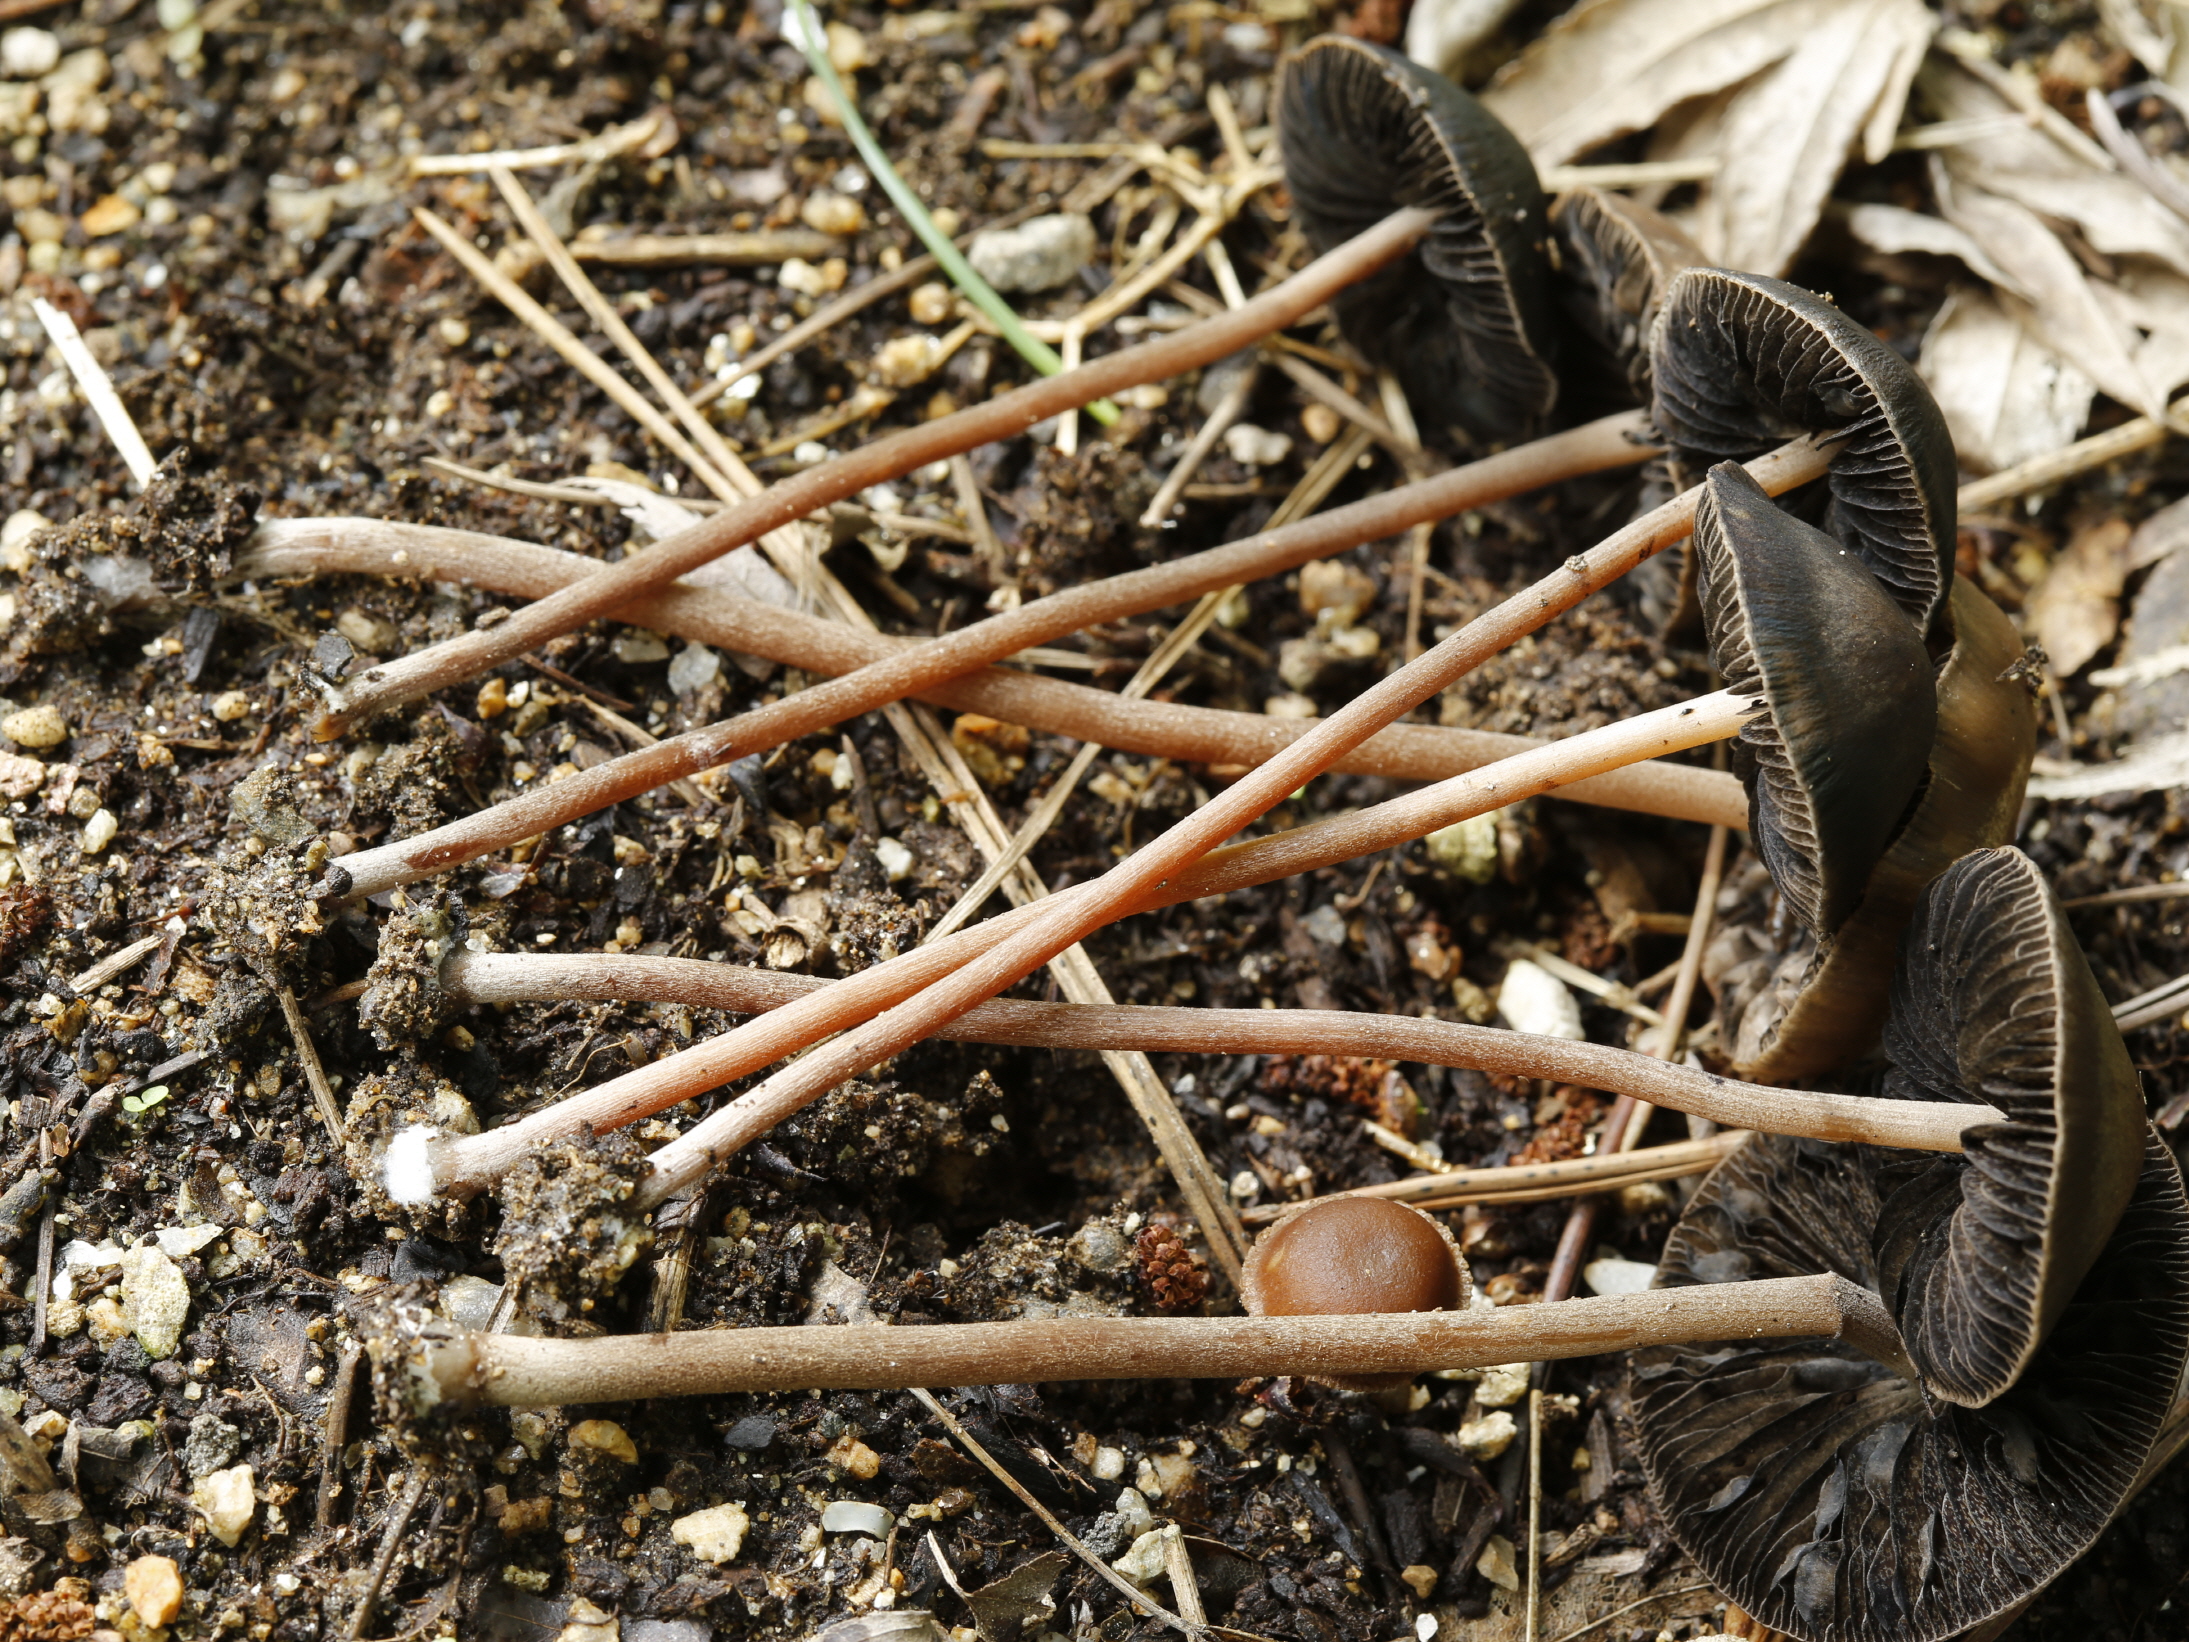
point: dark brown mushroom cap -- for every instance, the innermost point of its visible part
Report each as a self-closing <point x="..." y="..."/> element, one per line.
<point x="1353" y="1255"/>
<point x="1992" y="1002"/>
<point x="1797" y="619"/>
<point x="1466" y="321"/>
<point x="1615" y="259"/>
<point x="1741" y="364"/>
<point x="1821" y="1491"/>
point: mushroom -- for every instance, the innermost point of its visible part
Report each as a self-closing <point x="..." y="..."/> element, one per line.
<point x="1347" y="1256"/>
<point x="1740" y="362"/>
<point x="2040" y="1283"/>
<point x="1795" y="618"/>
<point x="1615" y="258"/>
<point x="1820" y="1003"/>
<point x="1465" y="319"/>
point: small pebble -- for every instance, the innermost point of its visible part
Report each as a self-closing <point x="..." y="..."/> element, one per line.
<point x="155" y="1299"/>
<point x="1502" y="1386"/>
<point x="41" y="726"/>
<point x="1487" y="1435"/>
<point x="1320" y="423"/>
<point x="1144" y="1563"/>
<point x="110" y="215"/>
<point x="492" y="699"/>
<point x="1256" y="447"/>
<point x="375" y="635"/>
<point x="231" y="705"/>
<point x="1532" y="999"/>
<point x="1614" y="1276"/>
<point x="453" y="331"/>
<point x="803" y="278"/>
<point x="852" y="1516"/>
<point x="1467" y="848"/>
<point x="25" y="54"/>
<point x="227" y="1501"/>
<point x="1035" y="256"/>
<point x="714" y="1535"/>
<point x="931" y="303"/>
<point x="694" y="668"/>
<point x="605" y="1437"/>
<point x="1421" y="1579"/>
<point x="99" y="831"/>
<point x="896" y="860"/>
<point x="1496" y="1564"/>
<point x="1109" y="1464"/>
<point x="827" y="212"/>
<point x="153" y="1586"/>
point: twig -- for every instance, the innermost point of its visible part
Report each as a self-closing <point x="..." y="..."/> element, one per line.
<point x="391" y="1542"/>
<point x="1008" y="414"/>
<point x="337" y="1432"/>
<point x="1533" y="1627"/>
<point x="908" y="672"/>
<point x="315" y="1074"/>
<point x="1665" y="1045"/>
<point x="608" y="145"/>
<point x="1639" y="1602"/>
<point x="2058" y="466"/>
<point x="114" y="963"/>
<point x="1408" y="752"/>
<point x="1185" y="1590"/>
<point x="98" y="391"/>
<point x="2135" y="159"/>
<point x="1228" y="411"/>
<point x="2124" y="897"/>
<point x="719" y="250"/>
<point x="1603" y="1172"/>
<point x="807" y="34"/>
<point x="1132" y="1593"/>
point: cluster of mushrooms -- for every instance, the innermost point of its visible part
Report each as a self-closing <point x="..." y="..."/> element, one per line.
<point x="1913" y="1343"/>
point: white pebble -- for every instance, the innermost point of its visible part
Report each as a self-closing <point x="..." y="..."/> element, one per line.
<point x="694" y="668"/>
<point x="1256" y="447"/>
<point x="896" y="860"/>
<point x="1532" y="999"/>
<point x="27" y="53"/>
<point x="715" y="1534"/>
<point x="1612" y="1275"/>
<point x="41" y="726"/>
<point x="852" y="1516"/>
<point x="99" y="831"/>
<point x="1035" y="256"/>
<point x="227" y="1501"/>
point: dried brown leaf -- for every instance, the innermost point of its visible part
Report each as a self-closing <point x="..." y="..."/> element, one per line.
<point x="2075" y="610"/>
<point x="2006" y="396"/>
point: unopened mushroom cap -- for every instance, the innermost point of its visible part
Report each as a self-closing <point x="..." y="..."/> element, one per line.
<point x="1741" y="364"/>
<point x="1797" y="619"/>
<point x="1825" y="1494"/>
<point x="1353" y="1255"/>
<point x="1465" y="322"/>
<point x="1993" y="1002"/>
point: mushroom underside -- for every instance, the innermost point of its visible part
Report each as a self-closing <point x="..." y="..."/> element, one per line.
<point x="1819" y="1491"/>
<point x="1465" y="322"/>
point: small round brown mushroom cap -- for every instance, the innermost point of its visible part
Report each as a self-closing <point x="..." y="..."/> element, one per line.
<point x="1353" y="1255"/>
<point x="1466" y="322"/>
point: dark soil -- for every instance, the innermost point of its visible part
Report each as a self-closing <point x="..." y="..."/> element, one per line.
<point x="293" y="344"/>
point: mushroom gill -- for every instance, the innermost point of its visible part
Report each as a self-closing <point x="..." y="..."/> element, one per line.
<point x="1615" y="259"/>
<point x="1741" y="363"/>
<point x="2039" y="1280"/>
<point x="1466" y="322"/>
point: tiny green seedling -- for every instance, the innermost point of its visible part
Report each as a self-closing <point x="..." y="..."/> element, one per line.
<point x="138" y="1104"/>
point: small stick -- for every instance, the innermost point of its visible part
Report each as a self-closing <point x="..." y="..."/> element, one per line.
<point x="1137" y="1597"/>
<point x="337" y="1433"/>
<point x="1228" y="411"/>
<point x="907" y="671"/>
<point x="2058" y="466"/>
<point x="999" y="418"/>
<point x="390" y="1543"/>
<point x="517" y="1371"/>
<point x="315" y="1074"/>
<point x="501" y="978"/>
<point x="1534" y="1623"/>
<point x="98" y="391"/>
<point x="608" y="145"/>
<point x="1203" y="735"/>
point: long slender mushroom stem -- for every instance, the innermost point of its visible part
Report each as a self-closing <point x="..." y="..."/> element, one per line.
<point x="1936" y="1126"/>
<point x="1002" y="417"/>
<point x="419" y="1166"/>
<point x="906" y="671"/>
<point x="512" y="1371"/>
<point x="1200" y="735"/>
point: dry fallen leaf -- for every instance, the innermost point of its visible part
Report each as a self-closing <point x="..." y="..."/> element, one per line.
<point x="2006" y="396"/>
<point x="2076" y="610"/>
<point x="1800" y="84"/>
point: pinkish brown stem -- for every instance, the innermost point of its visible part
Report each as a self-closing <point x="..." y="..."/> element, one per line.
<point x="910" y="670"/>
<point x="465" y="1369"/>
<point x="1936" y="1126"/>
<point x="613" y="586"/>
<point x="1162" y="729"/>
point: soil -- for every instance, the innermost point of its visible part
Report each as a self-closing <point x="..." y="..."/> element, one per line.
<point x="293" y="344"/>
